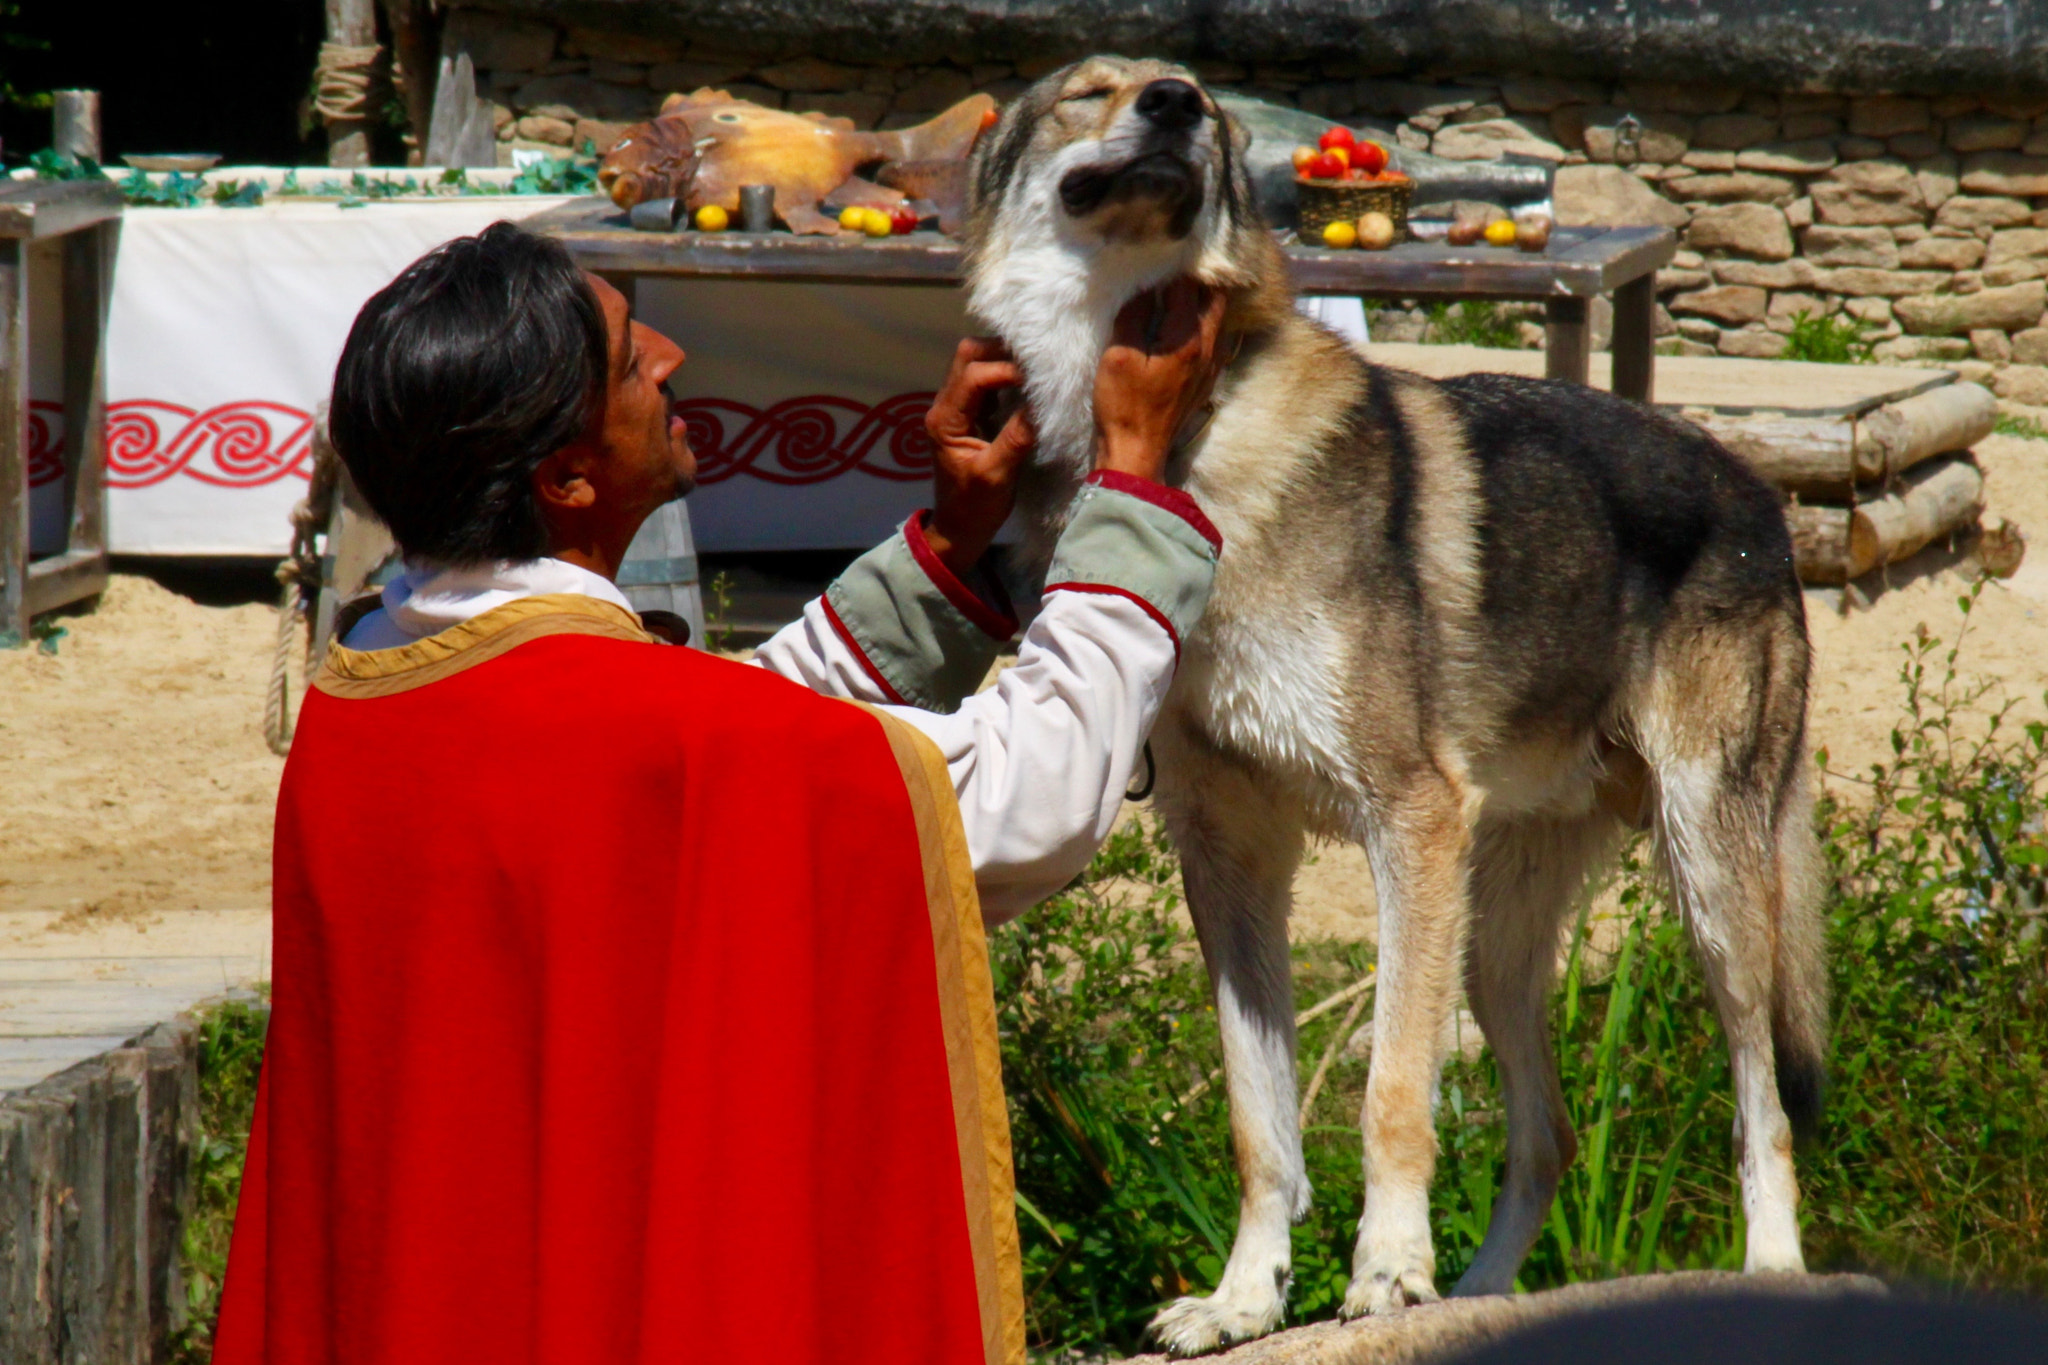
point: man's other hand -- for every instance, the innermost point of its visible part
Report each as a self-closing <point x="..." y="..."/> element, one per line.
<point x="1159" y="367"/>
<point x="974" y="482"/>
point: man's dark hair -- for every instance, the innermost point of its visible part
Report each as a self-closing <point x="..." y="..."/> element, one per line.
<point x="484" y="357"/>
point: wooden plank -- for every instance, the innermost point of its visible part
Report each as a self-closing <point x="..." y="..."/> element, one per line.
<point x="45" y="208"/>
<point x="88" y="281"/>
<point x="13" y="441"/>
<point x="1580" y="261"/>
<point x="59" y="580"/>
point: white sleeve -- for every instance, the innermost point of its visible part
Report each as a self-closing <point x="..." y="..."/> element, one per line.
<point x="1040" y="762"/>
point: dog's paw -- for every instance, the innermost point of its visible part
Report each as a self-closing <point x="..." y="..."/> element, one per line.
<point x="1386" y="1286"/>
<point x="1192" y="1326"/>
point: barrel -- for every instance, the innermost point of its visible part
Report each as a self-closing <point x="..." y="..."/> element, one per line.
<point x="659" y="572"/>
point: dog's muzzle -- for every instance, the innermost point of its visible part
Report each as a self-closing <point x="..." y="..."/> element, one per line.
<point x="1161" y="174"/>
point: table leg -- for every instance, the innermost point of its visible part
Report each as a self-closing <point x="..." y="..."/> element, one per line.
<point x="1568" y="339"/>
<point x="1635" y="342"/>
<point x="13" y="442"/>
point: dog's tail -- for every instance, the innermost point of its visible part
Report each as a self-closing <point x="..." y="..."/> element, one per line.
<point x="1799" y="993"/>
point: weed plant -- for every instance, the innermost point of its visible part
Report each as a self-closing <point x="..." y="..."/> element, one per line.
<point x="230" y="1055"/>
<point x="1472" y="322"/>
<point x="1836" y="339"/>
<point x="1933" y="1148"/>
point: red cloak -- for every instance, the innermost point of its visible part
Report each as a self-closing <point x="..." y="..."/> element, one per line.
<point x="631" y="1005"/>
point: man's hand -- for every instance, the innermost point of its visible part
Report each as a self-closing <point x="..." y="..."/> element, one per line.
<point x="1159" y="367"/>
<point x="974" y="482"/>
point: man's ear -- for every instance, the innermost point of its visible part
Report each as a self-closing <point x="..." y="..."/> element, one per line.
<point x="562" y="480"/>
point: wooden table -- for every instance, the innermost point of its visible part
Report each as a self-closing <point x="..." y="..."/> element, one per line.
<point x="1580" y="264"/>
<point x="70" y="227"/>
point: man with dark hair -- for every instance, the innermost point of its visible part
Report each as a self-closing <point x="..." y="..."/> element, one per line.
<point x="631" y="1003"/>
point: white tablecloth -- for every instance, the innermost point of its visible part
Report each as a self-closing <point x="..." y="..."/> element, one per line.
<point x="805" y="402"/>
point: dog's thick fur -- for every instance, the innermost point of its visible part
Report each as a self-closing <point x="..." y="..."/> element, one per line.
<point x="1481" y="627"/>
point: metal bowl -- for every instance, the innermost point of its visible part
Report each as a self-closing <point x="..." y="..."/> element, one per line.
<point x="175" y="161"/>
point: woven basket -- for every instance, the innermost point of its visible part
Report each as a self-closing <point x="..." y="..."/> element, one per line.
<point x="1324" y="202"/>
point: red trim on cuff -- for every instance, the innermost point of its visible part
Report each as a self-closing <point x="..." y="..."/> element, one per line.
<point x="1161" y="496"/>
<point x="1111" y="590"/>
<point x="993" y="623"/>
<point x="867" y="664"/>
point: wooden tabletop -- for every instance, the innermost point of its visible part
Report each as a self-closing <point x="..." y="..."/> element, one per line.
<point x="44" y="208"/>
<point x="1579" y="261"/>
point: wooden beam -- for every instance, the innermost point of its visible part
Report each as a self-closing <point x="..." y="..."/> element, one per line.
<point x="88" y="281"/>
<point x="350" y="23"/>
<point x="1635" y="341"/>
<point x="14" y="613"/>
<point x="1568" y="339"/>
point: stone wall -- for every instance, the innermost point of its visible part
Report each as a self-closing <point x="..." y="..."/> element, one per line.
<point x="1926" y="217"/>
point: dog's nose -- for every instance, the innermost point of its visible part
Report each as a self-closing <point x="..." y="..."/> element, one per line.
<point x="1170" y="105"/>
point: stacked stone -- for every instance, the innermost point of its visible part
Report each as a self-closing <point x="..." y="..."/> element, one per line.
<point x="1924" y="218"/>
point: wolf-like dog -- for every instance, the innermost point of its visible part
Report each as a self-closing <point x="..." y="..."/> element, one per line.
<point x="1481" y="626"/>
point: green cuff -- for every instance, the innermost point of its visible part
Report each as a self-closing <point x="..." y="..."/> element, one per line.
<point x="923" y="636"/>
<point x="1141" y="540"/>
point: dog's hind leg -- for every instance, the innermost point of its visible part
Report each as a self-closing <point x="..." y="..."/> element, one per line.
<point x="1417" y="846"/>
<point x="1724" y="730"/>
<point x="1239" y="848"/>
<point x="1526" y="875"/>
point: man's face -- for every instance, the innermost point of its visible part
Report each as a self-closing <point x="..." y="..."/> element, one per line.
<point x="646" y="455"/>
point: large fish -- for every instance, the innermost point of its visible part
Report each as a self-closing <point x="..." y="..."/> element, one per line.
<point x="705" y="145"/>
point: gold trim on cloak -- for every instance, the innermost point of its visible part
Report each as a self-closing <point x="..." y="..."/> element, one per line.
<point x="358" y="673"/>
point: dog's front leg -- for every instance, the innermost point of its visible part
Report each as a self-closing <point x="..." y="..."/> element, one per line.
<point x="1239" y="849"/>
<point x="1418" y="854"/>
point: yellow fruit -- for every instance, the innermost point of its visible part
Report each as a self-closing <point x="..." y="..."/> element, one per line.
<point x="875" y="223"/>
<point x="1302" y="156"/>
<point x="853" y="218"/>
<point x="1500" y="232"/>
<point x="1340" y="234"/>
<point x="712" y="218"/>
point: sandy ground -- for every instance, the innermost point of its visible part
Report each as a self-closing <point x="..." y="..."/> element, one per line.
<point x="134" y="783"/>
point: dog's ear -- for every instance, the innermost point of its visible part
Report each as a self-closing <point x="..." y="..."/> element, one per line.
<point x="1240" y="137"/>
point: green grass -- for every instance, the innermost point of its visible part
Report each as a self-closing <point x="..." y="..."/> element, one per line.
<point x="1472" y="322"/>
<point x="1833" y="340"/>
<point x="230" y="1054"/>
<point x="2010" y="424"/>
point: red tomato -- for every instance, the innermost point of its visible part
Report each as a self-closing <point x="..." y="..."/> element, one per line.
<point x="903" y="219"/>
<point x="1327" y="166"/>
<point x="1336" y="137"/>
<point x="1369" y="157"/>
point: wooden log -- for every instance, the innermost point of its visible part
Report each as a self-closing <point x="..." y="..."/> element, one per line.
<point x="1900" y="435"/>
<point x="1820" y="543"/>
<point x="1933" y="500"/>
<point x="1810" y="457"/>
<point x="1833" y="545"/>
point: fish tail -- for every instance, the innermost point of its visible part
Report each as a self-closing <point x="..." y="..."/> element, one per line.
<point x="946" y="137"/>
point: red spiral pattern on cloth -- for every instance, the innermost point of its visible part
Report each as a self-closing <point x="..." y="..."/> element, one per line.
<point x="231" y="445"/>
<point x="45" y="443"/>
<point x="809" y="439"/>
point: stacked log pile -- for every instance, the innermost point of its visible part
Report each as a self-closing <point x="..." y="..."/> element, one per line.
<point x="1869" y="490"/>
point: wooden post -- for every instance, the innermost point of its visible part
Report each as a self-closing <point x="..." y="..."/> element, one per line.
<point x="88" y="287"/>
<point x="14" y="613"/>
<point x="1568" y="339"/>
<point x="350" y="24"/>
<point x="75" y="123"/>
<point x="1635" y="341"/>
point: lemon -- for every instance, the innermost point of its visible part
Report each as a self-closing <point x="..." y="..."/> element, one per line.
<point x="1340" y="235"/>
<point x="1500" y="232"/>
<point x="853" y="218"/>
<point x="875" y="223"/>
<point x="712" y="218"/>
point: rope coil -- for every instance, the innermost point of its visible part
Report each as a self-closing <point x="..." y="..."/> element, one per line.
<point x="342" y="81"/>
<point x="298" y="575"/>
